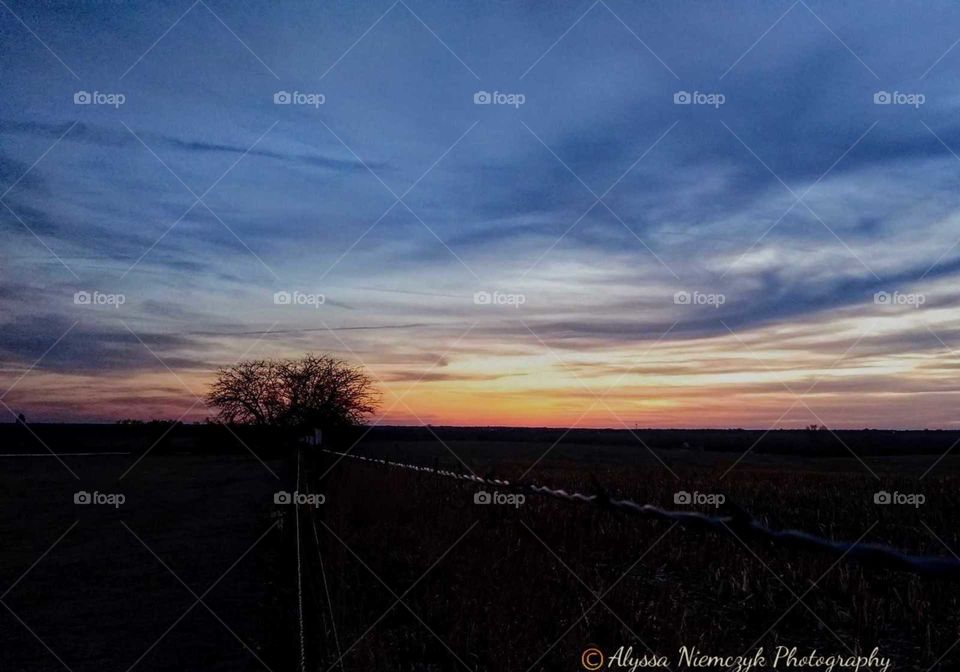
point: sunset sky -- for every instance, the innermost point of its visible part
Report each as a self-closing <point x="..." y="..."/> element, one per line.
<point x="780" y="251"/>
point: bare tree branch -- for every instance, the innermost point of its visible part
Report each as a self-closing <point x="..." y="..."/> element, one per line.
<point x="313" y="391"/>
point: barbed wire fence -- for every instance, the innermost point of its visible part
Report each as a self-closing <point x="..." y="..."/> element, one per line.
<point x="326" y="598"/>
<point x="302" y="658"/>
<point x="317" y="639"/>
<point x="739" y="523"/>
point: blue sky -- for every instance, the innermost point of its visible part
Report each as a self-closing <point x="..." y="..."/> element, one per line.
<point x="797" y="199"/>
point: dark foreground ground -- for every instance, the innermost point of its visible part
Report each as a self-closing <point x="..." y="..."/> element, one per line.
<point x="531" y="587"/>
<point x="404" y="571"/>
<point x="102" y="599"/>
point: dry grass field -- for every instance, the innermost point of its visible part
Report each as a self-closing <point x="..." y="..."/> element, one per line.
<point x="100" y="599"/>
<point x="402" y="570"/>
<point x="530" y="587"/>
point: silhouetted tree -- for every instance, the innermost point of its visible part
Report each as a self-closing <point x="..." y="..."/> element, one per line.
<point x="313" y="391"/>
<point x="249" y="393"/>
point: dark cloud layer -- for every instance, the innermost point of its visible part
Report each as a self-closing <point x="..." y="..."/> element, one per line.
<point x="304" y="199"/>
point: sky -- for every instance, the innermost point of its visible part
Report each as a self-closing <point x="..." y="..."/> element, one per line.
<point x="596" y="214"/>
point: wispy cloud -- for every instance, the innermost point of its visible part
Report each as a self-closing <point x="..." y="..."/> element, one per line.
<point x="798" y="200"/>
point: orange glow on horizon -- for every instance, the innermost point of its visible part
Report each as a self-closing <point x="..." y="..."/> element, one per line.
<point x="823" y="373"/>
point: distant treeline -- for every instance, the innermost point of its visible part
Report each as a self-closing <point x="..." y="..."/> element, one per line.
<point x="811" y="441"/>
<point x="157" y="436"/>
<point x="213" y="438"/>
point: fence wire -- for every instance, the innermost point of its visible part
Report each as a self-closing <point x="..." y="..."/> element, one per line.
<point x="740" y="524"/>
<point x="302" y="661"/>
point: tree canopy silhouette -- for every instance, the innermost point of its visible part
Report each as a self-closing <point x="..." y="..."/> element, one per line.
<point x="312" y="391"/>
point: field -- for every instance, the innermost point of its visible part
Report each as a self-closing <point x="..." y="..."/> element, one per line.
<point x="520" y="590"/>
<point x="402" y="570"/>
<point x="100" y="599"/>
